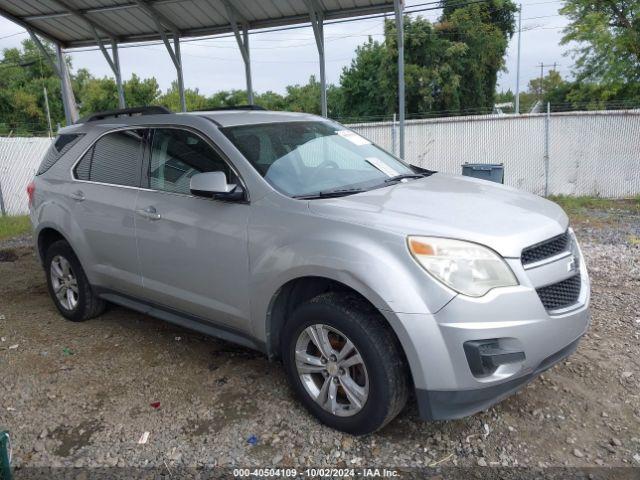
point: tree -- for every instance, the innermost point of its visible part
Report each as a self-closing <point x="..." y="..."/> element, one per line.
<point x="606" y="35"/>
<point x="24" y="75"/>
<point x="451" y="65"/>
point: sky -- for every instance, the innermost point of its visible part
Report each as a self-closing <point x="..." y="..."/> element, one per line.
<point x="289" y="57"/>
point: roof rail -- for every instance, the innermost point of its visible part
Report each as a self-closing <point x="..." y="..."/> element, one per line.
<point x="129" y="112"/>
<point x="234" y="107"/>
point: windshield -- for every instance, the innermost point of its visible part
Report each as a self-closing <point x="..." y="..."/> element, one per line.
<point x="309" y="158"/>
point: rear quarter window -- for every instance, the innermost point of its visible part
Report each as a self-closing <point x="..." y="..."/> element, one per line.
<point x="114" y="159"/>
<point x="61" y="145"/>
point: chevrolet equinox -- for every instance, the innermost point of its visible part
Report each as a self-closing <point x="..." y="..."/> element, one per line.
<point x="372" y="280"/>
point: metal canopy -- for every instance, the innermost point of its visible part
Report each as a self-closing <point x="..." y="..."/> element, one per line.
<point x="107" y="23"/>
<point x="69" y="22"/>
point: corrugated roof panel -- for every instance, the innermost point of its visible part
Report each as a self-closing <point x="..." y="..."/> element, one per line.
<point x="130" y="23"/>
<point x="185" y="15"/>
<point x="65" y="28"/>
<point x="122" y="22"/>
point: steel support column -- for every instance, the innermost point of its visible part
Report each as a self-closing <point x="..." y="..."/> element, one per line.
<point x="242" y="38"/>
<point x="178" y="57"/>
<point x="60" y="67"/>
<point x="70" y="111"/>
<point x="317" y="23"/>
<point x="118" y="73"/>
<point x="399" y="14"/>
<point x="247" y="65"/>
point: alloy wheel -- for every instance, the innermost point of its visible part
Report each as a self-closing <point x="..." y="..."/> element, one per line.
<point x="332" y="370"/>
<point x="64" y="282"/>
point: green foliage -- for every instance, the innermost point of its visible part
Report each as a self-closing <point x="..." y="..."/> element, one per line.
<point x="606" y="40"/>
<point x="23" y="76"/>
<point x="450" y="66"/>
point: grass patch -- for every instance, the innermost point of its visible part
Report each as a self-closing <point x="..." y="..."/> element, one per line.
<point x="579" y="204"/>
<point x="13" y="226"/>
<point x="597" y="211"/>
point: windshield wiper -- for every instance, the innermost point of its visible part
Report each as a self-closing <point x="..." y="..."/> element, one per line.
<point x="330" y="193"/>
<point x="404" y="176"/>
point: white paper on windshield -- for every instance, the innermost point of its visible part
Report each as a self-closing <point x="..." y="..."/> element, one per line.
<point x="353" y="137"/>
<point x="383" y="167"/>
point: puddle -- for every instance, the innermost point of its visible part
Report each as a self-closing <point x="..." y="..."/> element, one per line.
<point x="8" y="255"/>
<point x="74" y="438"/>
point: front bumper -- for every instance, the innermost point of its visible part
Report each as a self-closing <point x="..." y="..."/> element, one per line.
<point x="447" y="384"/>
<point x="449" y="405"/>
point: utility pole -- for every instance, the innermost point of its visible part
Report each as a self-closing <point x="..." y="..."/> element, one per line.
<point x="542" y="66"/>
<point x="518" y="67"/>
<point x="541" y="77"/>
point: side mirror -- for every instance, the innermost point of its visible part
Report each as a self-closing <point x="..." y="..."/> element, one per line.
<point x="214" y="185"/>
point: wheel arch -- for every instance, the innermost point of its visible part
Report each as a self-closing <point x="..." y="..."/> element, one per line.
<point x="299" y="290"/>
<point x="46" y="237"/>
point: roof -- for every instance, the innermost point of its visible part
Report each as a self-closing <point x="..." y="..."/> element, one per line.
<point x="228" y="118"/>
<point x="71" y="23"/>
<point x="223" y="118"/>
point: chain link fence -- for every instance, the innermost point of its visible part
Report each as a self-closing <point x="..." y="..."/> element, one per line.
<point x="19" y="160"/>
<point x="595" y="153"/>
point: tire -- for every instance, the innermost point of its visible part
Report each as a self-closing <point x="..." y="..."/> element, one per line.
<point x="385" y="381"/>
<point x="84" y="304"/>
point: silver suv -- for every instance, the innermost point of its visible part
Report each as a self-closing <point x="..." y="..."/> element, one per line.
<point x="369" y="278"/>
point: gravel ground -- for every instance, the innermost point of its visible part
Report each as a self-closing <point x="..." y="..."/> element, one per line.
<point x="82" y="394"/>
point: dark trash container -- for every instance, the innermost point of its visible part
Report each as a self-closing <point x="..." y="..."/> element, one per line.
<point x="494" y="172"/>
<point x="5" y="456"/>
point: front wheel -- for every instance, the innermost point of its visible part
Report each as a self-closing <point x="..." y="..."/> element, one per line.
<point x="345" y="363"/>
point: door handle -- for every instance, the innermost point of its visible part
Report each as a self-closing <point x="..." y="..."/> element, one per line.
<point x="78" y="195"/>
<point x="149" y="213"/>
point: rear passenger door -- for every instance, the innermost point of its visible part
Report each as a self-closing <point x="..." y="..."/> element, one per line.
<point x="193" y="250"/>
<point x="102" y="200"/>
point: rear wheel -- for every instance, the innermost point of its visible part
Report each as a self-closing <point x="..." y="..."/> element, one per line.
<point x="345" y="363"/>
<point x="68" y="285"/>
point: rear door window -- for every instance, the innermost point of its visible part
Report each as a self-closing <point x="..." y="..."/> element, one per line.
<point x="116" y="159"/>
<point x="61" y="145"/>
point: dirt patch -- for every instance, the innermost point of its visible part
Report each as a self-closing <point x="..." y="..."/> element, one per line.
<point x="8" y="255"/>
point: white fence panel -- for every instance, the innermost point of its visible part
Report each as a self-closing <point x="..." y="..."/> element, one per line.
<point x="19" y="159"/>
<point x="590" y="153"/>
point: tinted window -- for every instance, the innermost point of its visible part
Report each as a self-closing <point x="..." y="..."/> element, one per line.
<point x="177" y="155"/>
<point x="61" y="145"/>
<point x="115" y="158"/>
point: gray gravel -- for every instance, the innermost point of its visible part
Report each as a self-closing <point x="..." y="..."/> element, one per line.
<point x="82" y="394"/>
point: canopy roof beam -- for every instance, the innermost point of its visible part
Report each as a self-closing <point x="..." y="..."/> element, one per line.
<point x="174" y="52"/>
<point x="85" y="18"/>
<point x="157" y="16"/>
<point x="242" y="38"/>
<point x="114" y="63"/>
<point x="316" y="15"/>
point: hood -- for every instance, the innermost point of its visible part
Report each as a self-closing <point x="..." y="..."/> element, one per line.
<point x="502" y="218"/>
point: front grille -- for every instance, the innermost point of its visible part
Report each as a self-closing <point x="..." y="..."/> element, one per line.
<point x="546" y="249"/>
<point x="560" y="295"/>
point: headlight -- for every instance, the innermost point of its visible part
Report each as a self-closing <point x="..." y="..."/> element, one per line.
<point x="466" y="267"/>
